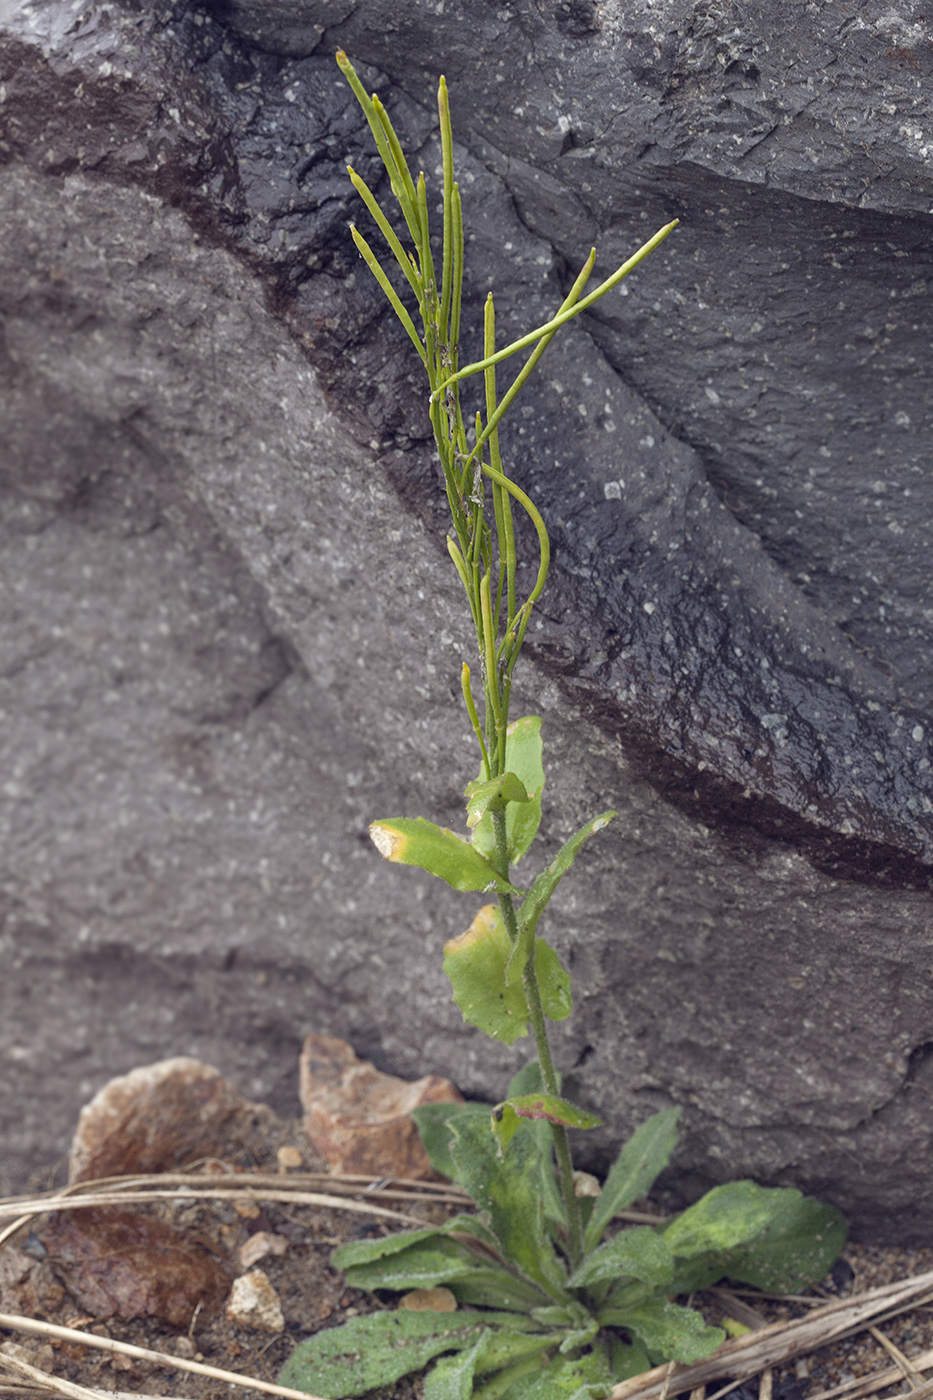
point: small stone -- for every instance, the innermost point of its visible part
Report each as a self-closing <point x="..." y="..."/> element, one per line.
<point x="27" y="1286"/>
<point x="246" y="1209"/>
<point x="359" y="1119"/>
<point x="254" y="1303"/>
<point x="184" y="1347"/>
<point x="289" y="1158"/>
<point x="39" y="1355"/>
<point x="585" y="1184"/>
<point x="261" y="1244"/>
<point x="429" y="1300"/>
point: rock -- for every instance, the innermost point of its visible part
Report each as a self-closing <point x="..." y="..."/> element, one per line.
<point x="428" y="1300"/>
<point x="37" y="1354"/>
<point x="359" y="1119"/>
<point x="158" y="1118"/>
<point x="213" y="573"/>
<point x="258" y="1246"/>
<point x="289" y="1158"/>
<point x="116" y="1263"/>
<point x="254" y="1303"/>
<point x="27" y="1285"/>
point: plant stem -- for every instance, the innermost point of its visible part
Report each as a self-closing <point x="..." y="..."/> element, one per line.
<point x="538" y="1025"/>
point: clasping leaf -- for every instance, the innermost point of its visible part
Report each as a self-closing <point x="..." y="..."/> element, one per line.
<point x="507" y="1116"/>
<point x="415" y="841"/>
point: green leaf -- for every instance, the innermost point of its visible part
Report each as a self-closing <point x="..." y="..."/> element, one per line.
<point x="345" y="1256"/>
<point x="495" y="1288"/>
<point x="419" y="1266"/>
<point x="725" y="1217"/>
<point x="484" y="794"/>
<point x="626" y="1361"/>
<point x="523" y="750"/>
<point x="790" y="1241"/>
<point x="435" y="1121"/>
<point x="529" y="1081"/>
<point x="507" y="1191"/>
<point x="796" y="1250"/>
<point x="507" y="1116"/>
<point x="452" y="1377"/>
<point x="646" y="1153"/>
<point x="377" y="1350"/>
<point x="553" y="982"/>
<point x="563" y="1378"/>
<point x="669" y="1332"/>
<point x="416" y="841"/>
<point x="640" y="1254"/>
<point x="542" y="889"/>
<point x="475" y="964"/>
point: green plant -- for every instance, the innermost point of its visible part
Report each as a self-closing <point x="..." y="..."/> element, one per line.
<point x="548" y="1306"/>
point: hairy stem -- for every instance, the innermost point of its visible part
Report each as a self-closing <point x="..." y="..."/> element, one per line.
<point x="538" y="1025"/>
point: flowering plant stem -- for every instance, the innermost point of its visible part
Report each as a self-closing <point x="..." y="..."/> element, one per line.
<point x="547" y="1309"/>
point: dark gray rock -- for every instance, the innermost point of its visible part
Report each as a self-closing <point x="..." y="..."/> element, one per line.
<point x="232" y="639"/>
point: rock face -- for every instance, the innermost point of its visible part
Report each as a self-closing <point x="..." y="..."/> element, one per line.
<point x="229" y="636"/>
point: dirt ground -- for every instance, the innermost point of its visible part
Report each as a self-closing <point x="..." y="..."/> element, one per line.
<point x="313" y="1296"/>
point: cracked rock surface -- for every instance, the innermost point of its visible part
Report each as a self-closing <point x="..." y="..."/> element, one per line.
<point x="221" y="527"/>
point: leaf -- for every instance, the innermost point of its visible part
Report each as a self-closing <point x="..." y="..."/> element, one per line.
<point x="796" y="1250"/>
<point x="640" y="1254"/>
<point x="507" y="1191"/>
<point x="553" y="982"/>
<point x="627" y="1361"/>
<point x="435" y="1121"/>
<point x="544" y="886"/>
<point x="475" y="964"/>
<point x="416" y="841"/>
<point x="669" y="1332"/>
<point x="564" y="1378"/>
<point x="452" y="1377"/>
<point x="794" y="1247"/>
<point x="376" y="1350"/>
<point x="523" y="750"/>
<point x="725" y="1217"/>
<point x="529" y="1081"/>
<point x="419" y="1266"/>
<point x="495" y="1288"/>
<point x="646" y="1153"/>
<point x="507" y="1116"/>
<point x="483" y="794"/>
<point x="365" y="1251"/>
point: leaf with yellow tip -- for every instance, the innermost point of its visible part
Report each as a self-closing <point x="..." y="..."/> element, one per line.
<point x="415" y="841"/>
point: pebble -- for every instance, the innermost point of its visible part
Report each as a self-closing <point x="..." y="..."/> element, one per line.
<point x="254" y="1303"/>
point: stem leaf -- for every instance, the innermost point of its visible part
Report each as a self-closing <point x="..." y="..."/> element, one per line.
<point x="523" y="757"/>
<point x="507" y="1116"/>
<point x="542" y="889"/>
<point x="416" y="841"/>
<point x="482" y="794"/>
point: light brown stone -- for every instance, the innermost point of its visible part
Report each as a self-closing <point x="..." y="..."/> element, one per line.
<point x="258" y="1246"/>
<point x="359" y="1119"/>
<point x="255" y="1303"/>
<point x="429" y="1300"/>
<point x="156" y="1118"/>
